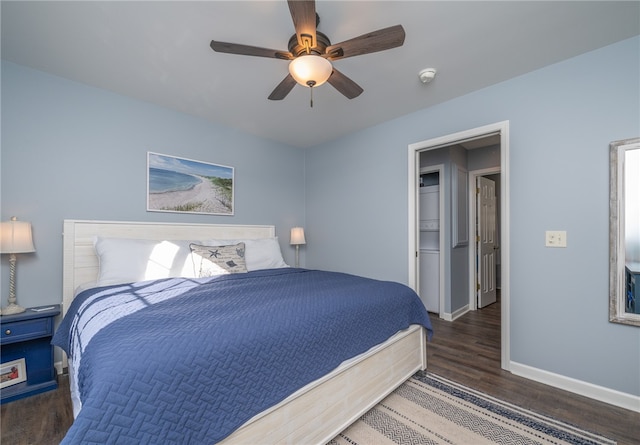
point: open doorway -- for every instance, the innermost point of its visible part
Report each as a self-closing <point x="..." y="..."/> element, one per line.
<point x="456" y="223"/>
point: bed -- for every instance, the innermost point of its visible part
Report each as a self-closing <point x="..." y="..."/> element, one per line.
<point x="189" y="390"/>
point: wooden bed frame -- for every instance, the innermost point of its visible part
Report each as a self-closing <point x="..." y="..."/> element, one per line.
<point x="315" y="413"/>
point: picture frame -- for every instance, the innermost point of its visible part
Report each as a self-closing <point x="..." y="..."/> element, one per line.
<point x="13" y="372"/>
<point x="182" y="185"/>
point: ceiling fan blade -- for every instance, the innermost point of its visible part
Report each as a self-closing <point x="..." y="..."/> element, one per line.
<point x="345" y="85"/>
<point x="246" y="50"/>
<point x="303" y="13"/>
<point x="283" y="88"/>
<point x="372" y="42"/>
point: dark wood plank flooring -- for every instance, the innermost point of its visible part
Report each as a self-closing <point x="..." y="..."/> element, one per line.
<point x="466" y="350"/>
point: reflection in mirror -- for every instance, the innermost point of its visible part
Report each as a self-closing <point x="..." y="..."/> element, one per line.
<point x="624" y="232"/>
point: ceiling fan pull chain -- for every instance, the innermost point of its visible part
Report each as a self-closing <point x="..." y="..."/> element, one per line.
<point x="311" y="83"/>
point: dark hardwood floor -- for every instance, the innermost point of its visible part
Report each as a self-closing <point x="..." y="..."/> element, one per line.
<point x="466" y="351"/>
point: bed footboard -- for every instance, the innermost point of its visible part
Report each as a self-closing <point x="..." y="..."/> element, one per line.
<point x="324" y="408"/>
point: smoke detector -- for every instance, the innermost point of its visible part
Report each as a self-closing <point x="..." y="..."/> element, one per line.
<point x="427" y="75"/>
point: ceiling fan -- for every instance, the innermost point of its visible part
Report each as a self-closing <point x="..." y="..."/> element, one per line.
<point x="311" y="52"/>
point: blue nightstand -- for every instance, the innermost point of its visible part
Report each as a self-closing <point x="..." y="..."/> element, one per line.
<point x="27" y="353"/>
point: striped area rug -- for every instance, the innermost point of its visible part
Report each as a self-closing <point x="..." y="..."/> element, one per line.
<point x="428" y="409"/>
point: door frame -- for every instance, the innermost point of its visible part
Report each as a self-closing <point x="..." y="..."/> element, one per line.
<point x="501" y="128"/>
<point x="473" y="215"/>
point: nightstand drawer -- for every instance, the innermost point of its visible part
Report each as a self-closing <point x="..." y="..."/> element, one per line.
<point x="25" y="330"/>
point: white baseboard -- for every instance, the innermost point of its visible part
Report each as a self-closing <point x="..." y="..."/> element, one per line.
<point x="456" y="314"/>
<point x="606" y="395"/>
<point x="58" y="366"/>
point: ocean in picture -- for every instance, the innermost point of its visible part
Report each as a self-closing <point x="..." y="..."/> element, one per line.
<point x="162" y="181"/>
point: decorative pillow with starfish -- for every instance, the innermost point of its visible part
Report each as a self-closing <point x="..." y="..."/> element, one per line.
<point x="210" y="261"/>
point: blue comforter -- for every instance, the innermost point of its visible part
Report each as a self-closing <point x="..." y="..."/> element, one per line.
<point x="190" y="360"/>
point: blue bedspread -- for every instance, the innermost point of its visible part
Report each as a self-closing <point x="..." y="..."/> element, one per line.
<point x="190" y="360"/>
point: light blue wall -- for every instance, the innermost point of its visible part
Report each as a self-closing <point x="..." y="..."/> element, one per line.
<point x="70" y="151"/>
<point x="562" y="119"/>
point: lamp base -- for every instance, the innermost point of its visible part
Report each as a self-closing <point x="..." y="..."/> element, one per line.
<point x="12" y="309"/>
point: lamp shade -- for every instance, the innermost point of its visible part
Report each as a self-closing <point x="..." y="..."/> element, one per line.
<point x="297" y="236"/>
<point x="310" y="70"/>
<point x="15" y="237"/>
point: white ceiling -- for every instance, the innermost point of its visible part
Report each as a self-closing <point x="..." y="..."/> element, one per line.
<point x="159" y="52"/>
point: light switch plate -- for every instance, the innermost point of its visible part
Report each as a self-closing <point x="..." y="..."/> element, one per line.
<point x="555" y="238"/>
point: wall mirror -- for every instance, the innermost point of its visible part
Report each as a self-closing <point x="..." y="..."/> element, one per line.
<point x="624" y="232"/>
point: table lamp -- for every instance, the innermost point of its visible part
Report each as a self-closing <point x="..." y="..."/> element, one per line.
<point x="15" y="237"/>
<point x="297" y="238"/>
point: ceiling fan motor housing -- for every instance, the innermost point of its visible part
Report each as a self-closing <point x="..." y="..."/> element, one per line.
<point x="322" y="42"/>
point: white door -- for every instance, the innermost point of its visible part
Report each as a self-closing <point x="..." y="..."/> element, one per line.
<point x="486" y="242"/>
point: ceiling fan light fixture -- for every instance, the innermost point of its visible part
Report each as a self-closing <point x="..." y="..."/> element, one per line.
<point x="310" y="70"/>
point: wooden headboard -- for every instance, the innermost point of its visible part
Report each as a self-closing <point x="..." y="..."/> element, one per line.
<point x="80" y="263"/>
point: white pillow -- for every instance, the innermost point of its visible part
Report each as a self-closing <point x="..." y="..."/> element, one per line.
<point x="125" y="260"/>
<point x="262" y="253"/>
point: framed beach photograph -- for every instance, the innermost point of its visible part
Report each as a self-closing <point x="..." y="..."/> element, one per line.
<point x="12" y="373"/>
<point x="187" y="186"/>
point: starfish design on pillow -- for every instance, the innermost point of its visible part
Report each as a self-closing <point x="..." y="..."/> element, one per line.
<point x="214" y="253"/>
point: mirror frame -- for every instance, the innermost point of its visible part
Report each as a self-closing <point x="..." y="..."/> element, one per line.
<point x="617" y="313"/>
